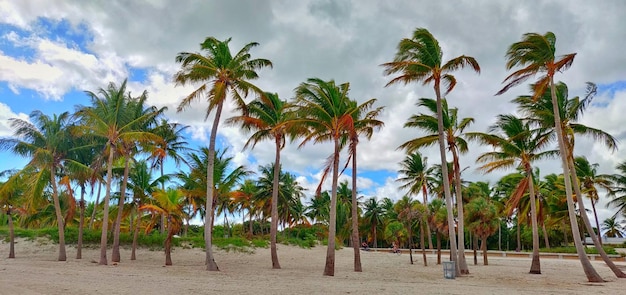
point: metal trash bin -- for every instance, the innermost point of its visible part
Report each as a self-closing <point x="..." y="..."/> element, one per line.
<point x="449" y="269"/>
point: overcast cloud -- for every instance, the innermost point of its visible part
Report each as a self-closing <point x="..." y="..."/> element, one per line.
<point x="341" y="40"/>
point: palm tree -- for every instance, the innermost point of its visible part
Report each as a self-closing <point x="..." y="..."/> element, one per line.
<point x="318" y="209"/>
<point x="110" y="117"/>
<point x="419" y="59"/>
<point x="518" y="145"/>
<point x="482" y="220"/>
<point x="11" y="192"/>
<point x="588" y="176"/>
<point x="269" y="118"/>
<point x="169" y="203"/>
<point x="364" y="126"/>
<point x="328" y="115"/>
<point x="613" y="228"/>
<point x="536" y="54"/>
<point x="219" y="73"/>
<point x="373" y="217"/>
<point x="409" y="211"/>
<point x="456" y="144"/>
<point x="171" y="146"/>
<point x="618" y="190"/>
<point x="244" y="199"/>
<point x="47" y="142"/>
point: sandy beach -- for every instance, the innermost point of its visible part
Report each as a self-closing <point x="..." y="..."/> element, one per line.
<point x="35" y="271"/>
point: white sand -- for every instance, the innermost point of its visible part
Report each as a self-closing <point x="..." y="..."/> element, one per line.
<point x="35" y="271"/>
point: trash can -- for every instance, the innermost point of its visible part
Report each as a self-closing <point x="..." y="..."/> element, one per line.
<point x="449" y="270"/>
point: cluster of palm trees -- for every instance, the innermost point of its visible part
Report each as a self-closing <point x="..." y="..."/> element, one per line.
<point x="120" y="138"/>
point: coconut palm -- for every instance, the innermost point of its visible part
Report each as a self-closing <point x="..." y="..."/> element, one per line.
<point x="482" y="220"/>
<point x="419" y="59"/>
<point x="116" y="118"/>
<point x="220" y="73"/>
<point x="517" y="145"/>
<point x="46" y="142"/>
<point x="410" y="212"/>
<point x="11" y="193"/>
<point x="318" y="209"/>
<point x="244" y="198"/>
<point x="268" y="117"/>
<point x="618" y="190"/>
<point x="326" y="112"/>
<point x="456" y="144"/>
<point x="590" y="178"/>
<point x="373" y="217"/>
<point x="364" y="124"/>
<point x="612" y="228"/>
<point x="169" y="203"/>
<point x="535" y="53"/>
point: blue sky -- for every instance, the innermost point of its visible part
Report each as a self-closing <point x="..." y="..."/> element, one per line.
<point x="51" y="52"/>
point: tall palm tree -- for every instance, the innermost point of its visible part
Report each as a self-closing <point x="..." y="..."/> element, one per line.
<point x="535" y="53"/>
<point x="518" y="145"/>
<point x="364" y="124"/>
<point x="47" y="143"/>
<point x="268" y="117"/>
<point x="172" y="145"/>
<point x="110" y="118"/>
<point x="416" y="180"/>
<point x="420" y="59"/>
<point x="220" y="73"/>
<point x="456" y="144"/>
<point x="590" y="178"/>
<point x="328" y="115"/>
<point x="170" y="203"/>
<point x="570" y="109"/>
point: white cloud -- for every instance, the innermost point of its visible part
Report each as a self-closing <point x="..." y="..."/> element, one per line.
<point x="5" y="114"/>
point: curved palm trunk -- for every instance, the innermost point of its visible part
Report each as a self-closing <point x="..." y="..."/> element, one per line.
<point x="81" y="223"/>
<point x="105" y="214"/>
<point x="589" y="270"/>
<point x="274" y="229"/>
<point x="11" y="234"/>
<point x="95" y="206"/>
<point x="355" y="217"/>
<point x="329" y="268"/>
<point x="57" y="210"/>
<point x="595" y="215"/>
<point x="208" y="223"/>
<point x="595" y="238"/>
<point x="535" y="266"/>
<point x="115" y="255"/>
<point x="446" y="181"/>
<point x="459" y="208"/>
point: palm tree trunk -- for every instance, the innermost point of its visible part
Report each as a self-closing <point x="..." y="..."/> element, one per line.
<point x="459" y="208"/>
<point x="105" y="214"/>
<point x="168" y="244"/>
<point x="57" y="210"/>
<point x="475" y="248"/>
<point x="95" y="206"/>
<point x="275" y="188"/>
<point x="595" y="238"/>
<point x="428" y="233"/>
<point x="375" y="237"/>
<point x="519" y="233"/>
<point x="438" y="234"/>
<point x="136" y="233"/>
<point x="546" y="240"/>
<point x="81" y="223"/>
<point x="162" y="229"/>
<point x="208" y="224"/>
<point x="355" y="215"/>
<point x="589" y="270"/>
<point x="410" y="233"/>
<point x="11" y="234"/>
<point x="422" y="244"/>
<point x="535" y="266"/>
<point x="115" y="255"/>
<point x="446" y="181"/>
<point x="329" y="268"/>
<point x="483" y="245"/>
<point x="249" y="223"/>
<point x="595" y="215"/>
